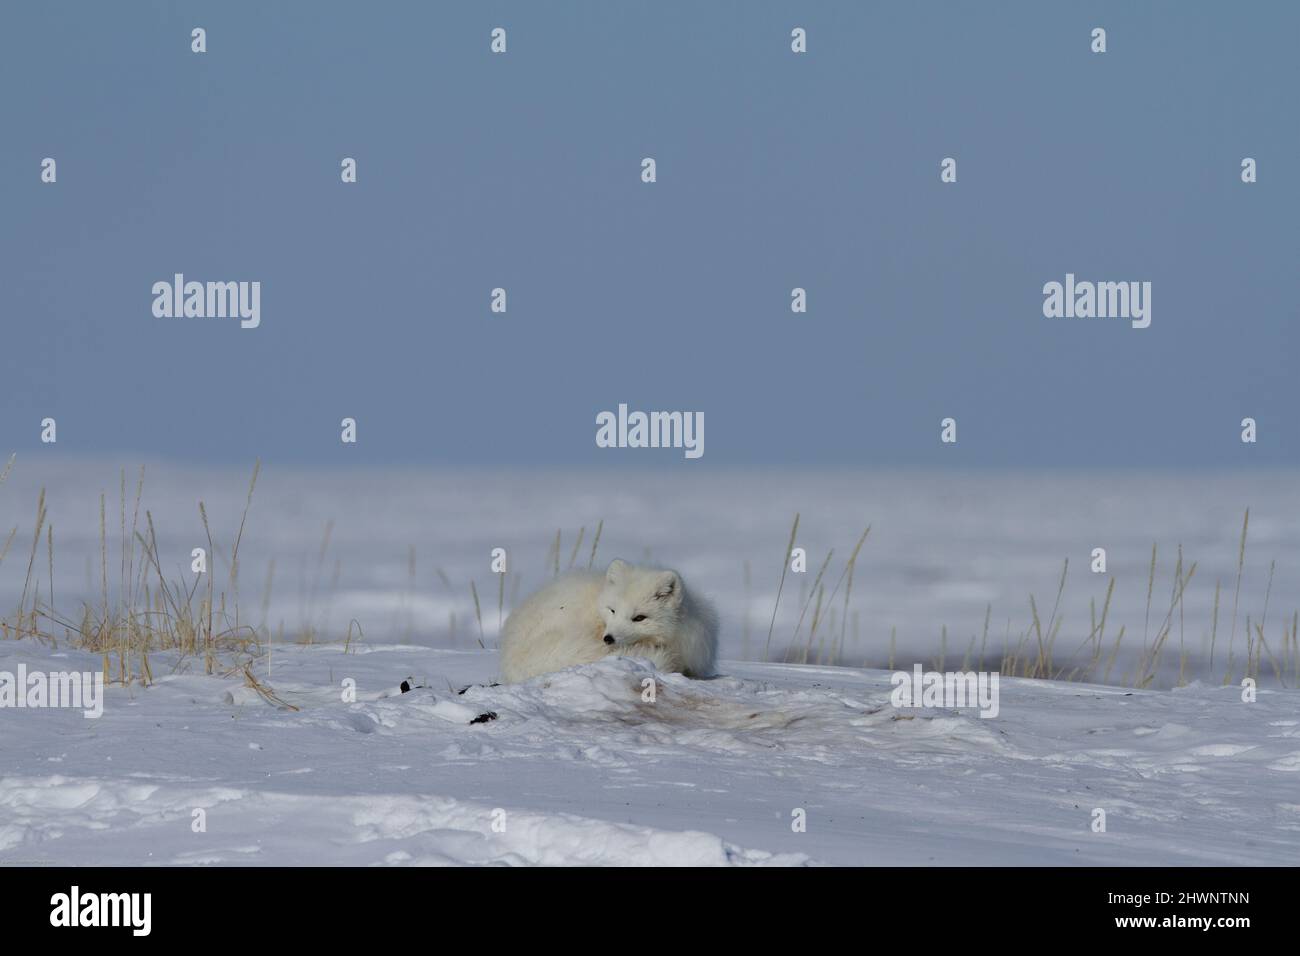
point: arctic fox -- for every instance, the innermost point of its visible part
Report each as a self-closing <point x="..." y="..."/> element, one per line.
<point x="628" y="610"/>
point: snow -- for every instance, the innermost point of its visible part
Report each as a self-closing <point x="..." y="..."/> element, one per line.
<point x="578" y="767"/>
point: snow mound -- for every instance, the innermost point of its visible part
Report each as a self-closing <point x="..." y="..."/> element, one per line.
<point x="769" y="765"/>
<point x="394" y="830"/>
<point x="638" y="711"/>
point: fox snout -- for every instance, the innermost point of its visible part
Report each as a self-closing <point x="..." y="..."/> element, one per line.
<point x="609" y="638"/>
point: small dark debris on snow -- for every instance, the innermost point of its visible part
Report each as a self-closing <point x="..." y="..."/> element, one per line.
<point x="484" y="718"/>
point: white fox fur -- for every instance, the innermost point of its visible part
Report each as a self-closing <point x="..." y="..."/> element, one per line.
<point x="629" y="610"/>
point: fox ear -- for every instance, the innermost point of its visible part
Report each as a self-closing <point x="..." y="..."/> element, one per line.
<point x="615" y="570"/>
<point x="668" y="588"/>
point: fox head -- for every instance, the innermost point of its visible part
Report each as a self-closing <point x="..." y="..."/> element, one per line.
<point x="639" y="604"/>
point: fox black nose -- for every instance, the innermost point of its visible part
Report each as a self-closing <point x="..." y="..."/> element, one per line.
<point x="609" y="638"/>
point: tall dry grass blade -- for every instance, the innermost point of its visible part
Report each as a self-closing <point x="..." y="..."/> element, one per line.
<point x="103" y="556"/>
<point x="8" y="541"/>
<point x="1110" y="662"/>
<point x="1151" y="583"/>
<point x="812" y="630"/>
<point x="206" y="634"/>
<point x="785" y="566"/>
<point x="794" y="639"/>
<point x="848" y="591"/>
<point x="850" y="563"/>
<point x="1214" y="623"/>
<point x="984" y="639"/>
<point x="1052" y="624"/>
<point x="1101" y="624"/>
<point x="747" y="579"/>
<point x="49" y="545"/>
<point x="847" y="573"/>
<point x="1182" y="642"/>
<point x="573" y="553"/>
<point x="122" y="544"/>
<point x="135" y="524"/>
<point x="1295" y="649"/>
<point x="478" y="614"/>
<point x="595" y="542"/>
<point x="239" y="536"/>
<point x="970" y="651"/>
<point x="1263" y="645"/>
<point x="1236" y="596"/>
<point x="1041" y="663"/>
<point x="1166" y="626"/>
<point x="501" y="601"/>
<point x="1268" y="590"/>
<point x="31" y="561"/>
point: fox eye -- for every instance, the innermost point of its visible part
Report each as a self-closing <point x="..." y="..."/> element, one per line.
<point x="610" y="610"/>
<point x="638" y="619"/>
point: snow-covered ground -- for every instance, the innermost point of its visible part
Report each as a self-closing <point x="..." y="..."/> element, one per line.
<point x="579" y="768"/>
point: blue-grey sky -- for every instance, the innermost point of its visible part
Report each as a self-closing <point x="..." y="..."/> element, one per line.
<point x="775" y="170"/>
